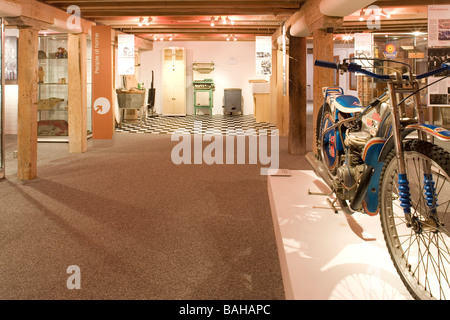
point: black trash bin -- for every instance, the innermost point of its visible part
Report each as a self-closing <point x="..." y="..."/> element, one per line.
<point x="233" y="101"/>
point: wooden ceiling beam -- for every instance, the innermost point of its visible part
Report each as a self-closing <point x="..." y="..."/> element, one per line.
<point x="172" y="3"/>
<point x="180" y="20"/>
<point x="39" y="13"/>
<point x="408" y="3"/>
<point x="187" y="12"/>
<point x="198" y="31"/>
<point x="182" y="4"/>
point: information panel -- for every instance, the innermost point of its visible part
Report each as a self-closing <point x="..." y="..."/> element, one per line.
<point x="102" y="85"/>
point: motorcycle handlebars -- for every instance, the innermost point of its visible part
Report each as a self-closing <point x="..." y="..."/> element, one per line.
<point x="354" y="67"/>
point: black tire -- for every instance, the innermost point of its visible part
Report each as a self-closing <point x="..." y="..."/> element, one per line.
<point x="324" y="108"/>
<point x="427" y="239"/>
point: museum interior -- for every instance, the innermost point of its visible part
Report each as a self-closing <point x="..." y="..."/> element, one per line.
<point x="123" y="146"/>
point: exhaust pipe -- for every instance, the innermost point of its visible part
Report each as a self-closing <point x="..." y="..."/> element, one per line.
<point x="319" y="168"/>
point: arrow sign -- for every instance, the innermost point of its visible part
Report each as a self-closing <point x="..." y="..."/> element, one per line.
<point x="102" y="105"/>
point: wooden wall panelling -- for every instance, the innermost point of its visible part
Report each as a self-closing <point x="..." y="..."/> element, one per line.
<point x="297" y="96"/>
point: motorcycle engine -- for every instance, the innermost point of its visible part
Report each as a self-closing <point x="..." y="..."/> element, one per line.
<point x="349" y="172"/>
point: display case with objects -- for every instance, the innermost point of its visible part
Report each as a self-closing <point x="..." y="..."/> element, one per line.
<point x="52" y="105"/>
<point x="2" y="98"/>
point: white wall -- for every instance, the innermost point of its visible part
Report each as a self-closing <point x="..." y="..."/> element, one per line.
<point x="11" y="108"/>
<point x="234" y="67"/>
<point x="11" y="98"/>
<point x="344" y="52"/>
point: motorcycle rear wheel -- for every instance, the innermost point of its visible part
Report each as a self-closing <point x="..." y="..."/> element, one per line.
<point x="419" y="249"/>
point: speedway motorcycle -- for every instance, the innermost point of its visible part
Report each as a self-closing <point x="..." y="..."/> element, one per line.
<point x="382" y="160"/>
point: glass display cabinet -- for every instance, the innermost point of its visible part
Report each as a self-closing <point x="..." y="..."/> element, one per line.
<point x="2" y="99"/>
<point x="53" y="88"/>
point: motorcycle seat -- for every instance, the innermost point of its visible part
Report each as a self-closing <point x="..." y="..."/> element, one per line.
<point x="347" y="104"/>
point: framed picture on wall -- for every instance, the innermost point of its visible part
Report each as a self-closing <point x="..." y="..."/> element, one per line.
<point x="11" y="70"/>
<point x="351" y="76"/>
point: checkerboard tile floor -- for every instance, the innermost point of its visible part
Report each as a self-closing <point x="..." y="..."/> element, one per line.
<point x="200" y="124"/>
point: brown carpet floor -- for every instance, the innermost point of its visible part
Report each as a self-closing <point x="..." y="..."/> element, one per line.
<point x="138" y="226"/>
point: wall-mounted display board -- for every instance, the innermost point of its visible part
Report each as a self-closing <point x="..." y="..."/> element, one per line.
<point x="263" y="47"/>
<point x="11" y="70"/>
<point x="126" y="54"/>
<point x="439" y="25"/>
<point x="438" y="53"/>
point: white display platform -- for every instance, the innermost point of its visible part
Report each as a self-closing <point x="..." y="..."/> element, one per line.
<point x="327" y="256"/>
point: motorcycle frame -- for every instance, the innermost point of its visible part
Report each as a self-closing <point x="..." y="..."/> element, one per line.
<point x="396" y="88"/>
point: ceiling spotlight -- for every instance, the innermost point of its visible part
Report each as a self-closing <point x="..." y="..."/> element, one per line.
<point x="212" y="21"/>
<point x="232" y="22"/>
<point x="347" y="37"/>
<point x="234" y="38"/>
<point x="228" y="38"/>
<point x="141" y="21"/>
<point x="170" y="38"/>
<point x="149" y="19"/>
<point x="155" y="37"/>
<point x="361" y="15"/>
<point x="418" y="33"/>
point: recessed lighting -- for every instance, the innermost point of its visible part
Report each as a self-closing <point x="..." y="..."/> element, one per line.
<point x="141" y="21"/>
<point x="212" y="22"/>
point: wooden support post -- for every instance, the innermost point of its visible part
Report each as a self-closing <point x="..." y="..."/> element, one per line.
<point x="297" y="96"/>
<point x="273" y="88"/>
<point x="282" y="117"/>
<point x="322" y="77"/>
<point x="77" y="93"/>
<point x="27" y="104"/>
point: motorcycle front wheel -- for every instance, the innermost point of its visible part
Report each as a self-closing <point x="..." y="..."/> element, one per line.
<point x="420" y="245"/>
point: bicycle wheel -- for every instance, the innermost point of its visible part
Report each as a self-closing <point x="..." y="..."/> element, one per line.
<point x="420" y="249"/>
<point x="318" y="131"/>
